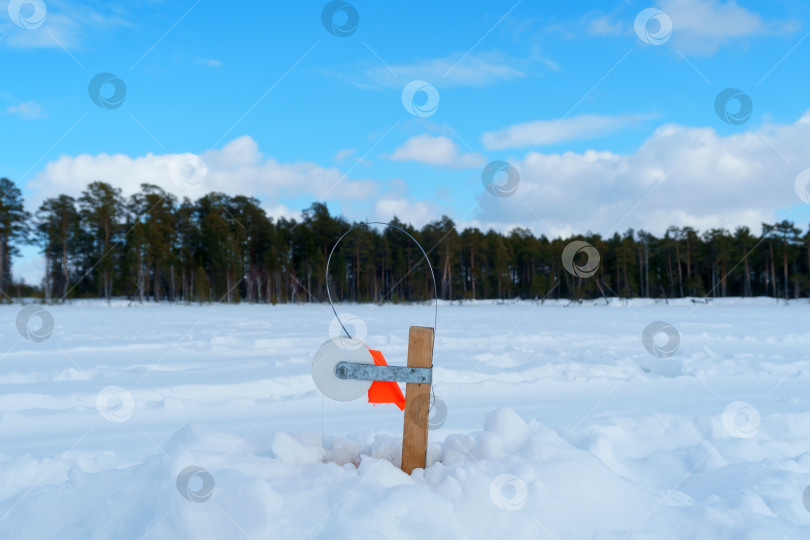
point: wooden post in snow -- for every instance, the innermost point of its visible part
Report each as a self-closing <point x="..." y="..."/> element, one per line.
<point x="417" y="401"/>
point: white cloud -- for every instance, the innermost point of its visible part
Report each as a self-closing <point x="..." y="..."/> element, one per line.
<point x="277" y="211"/>
<point x="480" y="69"/>
<point x="438" y="151"/>
<point x="702" y="26"/>
<point x="209" y="62"/>
<point x="417" y="213"/>
<point x="698" y="26"/>
<point x="30" y="110"/>
<point x="545" y="132"/>
<point x="343" y="154"/>
<point x="679" y="176"/>
<point x="67" y="24"/>
<point x="603" y="25"/>
<point x="237" y="168"/>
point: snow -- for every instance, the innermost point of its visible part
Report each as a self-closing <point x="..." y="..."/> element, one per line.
<point x="552" y="420"/>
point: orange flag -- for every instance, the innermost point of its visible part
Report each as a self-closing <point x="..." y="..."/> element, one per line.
<point x="384" y="391"/>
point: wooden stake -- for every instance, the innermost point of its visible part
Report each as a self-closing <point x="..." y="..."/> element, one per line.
<point x="417" y="401"/>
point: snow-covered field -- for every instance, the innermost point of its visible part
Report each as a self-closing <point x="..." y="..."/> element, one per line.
<point x="173" y="421"/>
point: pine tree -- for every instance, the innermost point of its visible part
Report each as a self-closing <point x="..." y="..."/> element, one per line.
<point x="57" y="232"/>
<point x="14" y="228"/>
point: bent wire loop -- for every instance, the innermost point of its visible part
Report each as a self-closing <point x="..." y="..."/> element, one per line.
<point x="432" y="276"/>
<point x="427" y="259"/>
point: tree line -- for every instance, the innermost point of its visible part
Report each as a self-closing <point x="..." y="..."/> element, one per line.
<point x="151" y="246"/>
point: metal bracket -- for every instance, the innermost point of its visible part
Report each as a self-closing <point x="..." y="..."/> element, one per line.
<point x="369" y="372"/>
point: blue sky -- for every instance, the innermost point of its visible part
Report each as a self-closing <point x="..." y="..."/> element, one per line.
<point x="606" y="130"/>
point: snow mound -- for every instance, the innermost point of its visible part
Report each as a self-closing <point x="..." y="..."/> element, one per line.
<point x="512" y="478"/>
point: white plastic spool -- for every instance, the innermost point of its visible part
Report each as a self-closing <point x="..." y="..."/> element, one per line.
<point x="340" y="349"/>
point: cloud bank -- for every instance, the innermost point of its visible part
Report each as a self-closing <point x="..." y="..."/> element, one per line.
<point x="679" y="176"/>
<point x="238" y="168"/>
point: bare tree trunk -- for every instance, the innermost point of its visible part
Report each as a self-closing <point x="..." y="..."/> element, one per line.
<point x="107" y="277"/>
<point x="472" y="269"/>
<point x="647" y="269"/>
<point x="747" y="284"/>
<point x="156" y="290"/>
<point x="140" y="277"/>
<point x="626" y="280"/>
<point x="309" y="280"/>
<point x="618" y="278"/>
<point x="2" y="263"/>
<point x="773" y="272"/>
<point x="356" y="273"/>
<point x="671" y="277"/>
<point x="689" y="268"/>
<point x="46" y="283"/>
<point x="65" y="271"/>
<point x="446" y="276"/>
<point x="375" y="288"/>
<point x="463" y="273"/>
